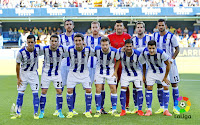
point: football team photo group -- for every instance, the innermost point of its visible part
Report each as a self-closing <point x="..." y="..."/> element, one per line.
<point x="96" y="61"/>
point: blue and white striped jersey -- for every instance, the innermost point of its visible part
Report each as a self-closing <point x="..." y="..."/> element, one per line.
<point x="79" y="59"/>
<point x="29" y="60"/>
<point x="66" y="41"/>
<point x="166" y="42"/>
<point x="52" y="60"/>
<point x="92" y="42"/>
<point x="155" y="62"/>
<point x="106" y="62"/>
<point x="130" y="65"/>
<point x="141" y="43"/>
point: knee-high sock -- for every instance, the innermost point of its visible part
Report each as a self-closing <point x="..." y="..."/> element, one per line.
<point x="175" y="95"/>
<point x="19" y="101"/>
<point x="42" y="102"/>
<point x="135" y="97"/>
<point x="160" y="97"/>
<point x="59" y="101"/>
<point x="98" y="101"/>
<point x="88" y="101"/>
<point x="149" y="98"/>
<point x="114" y="101"/>
<point x="140" y="98"/>
<point x="103" y="94"/>
<point x="123" y="98"/>
<point x="166" y="99"/>
<point x="127" y="97"/>
<point x="35" y="101"/>
<point x="74" y="97"/>
<point x="70" y="102"/>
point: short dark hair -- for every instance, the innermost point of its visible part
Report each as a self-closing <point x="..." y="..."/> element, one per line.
<point x="128" y="41"/>
<point x="162" y="20"/>
<point x="54" y="36"/>
<point x="151" y="43"/>
<point x="68" y="20"/>
<point x="119" y="21"/>
<point x="79" y="35"/>
<point x="104" y="39"/>
<point x="31" y="36"/>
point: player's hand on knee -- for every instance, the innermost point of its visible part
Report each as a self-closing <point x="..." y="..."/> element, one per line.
<point x="19" y="82"/>
<point x="115" y="74"/>
<point x="166" y="81"/>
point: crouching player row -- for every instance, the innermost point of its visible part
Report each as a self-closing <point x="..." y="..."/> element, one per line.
<point x="159" y="67"/>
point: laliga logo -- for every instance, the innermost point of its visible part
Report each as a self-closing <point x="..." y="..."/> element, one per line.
<point x="151" y="11"/>
<point x="56" y="11"/>
<point x="182" y="11"/>
<point x="184" y="104"/>
<point x="24" y="11"/>
<point x="119" y="11"/>
<point x="87" y="11"/>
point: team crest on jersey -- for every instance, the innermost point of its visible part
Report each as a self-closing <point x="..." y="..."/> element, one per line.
<point x="132" y="61"/>
<point x="110" y="58"/>
<point x="84" y="55"/>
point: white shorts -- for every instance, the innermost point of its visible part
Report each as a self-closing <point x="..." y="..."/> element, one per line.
<point x="137" y="80"/>
<point x="46" y="80"/>
<point x="92" y="74"/>
<point x="75" y="78"/>
<point x="100" y="79"/>
<point x="29" y="77"/>
<point x="173" y="73"/>
<point x="64" y="74"/>
<point x="151" y="78"/>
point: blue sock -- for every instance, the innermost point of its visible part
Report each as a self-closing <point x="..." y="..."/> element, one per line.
<point x="102" y="98"/>
<point x="88" y="100"/>
<point x="175" y="95"/>
<point x="70" y="102"/>
<point x="59" y="101"/>
<point x="166" y="99"/>
<point x="140" y="98"/>
<point x="19" y="101"/>
<point x="74" y="97"/>
<point x="42" y="102"/>
<point x="98" y="101"/>
<point x="149" y="98"/>
<point x="160" y="96"/>
<point x="63" y="89"/>
<point x="114" y="101"/>
<point x="135" y="97"/>
<point x="35" y="102"/>
<point x="123" y="98"/>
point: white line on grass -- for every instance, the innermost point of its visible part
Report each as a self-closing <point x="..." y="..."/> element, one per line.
<point x="191" y="80"/>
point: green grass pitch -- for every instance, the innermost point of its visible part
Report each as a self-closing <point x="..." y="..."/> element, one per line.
<point x="188" y="87"/>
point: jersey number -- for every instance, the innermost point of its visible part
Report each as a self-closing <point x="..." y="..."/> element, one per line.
<point x="36" y="86"/>
<point x="176" y="78"/>
<point x="59" y="84"/>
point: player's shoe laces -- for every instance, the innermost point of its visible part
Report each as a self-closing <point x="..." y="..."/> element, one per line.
<point x="56" y="113"/>
<point x="123" y="113"/>
<point x="160" y="110"/>
<point x="110" y="111"/>
<point x="140" y="113"/>
<point x="36" y="116"/>
<point x="74" y="112"/>
<point x="60" y="115"/>
<point x="115" y="113"/>
<point x="167" y="113"/>
<point x="41" y="115"/>
<point x="16" y="116"/>
<point x="128" y="111"/>
<point x="85" y="112"/>
<point x="97" y="114"/>
<point x="88" y="115"/>
<point x="70" y="115"/>
<point x="176" y="112"/>
<point x="135" y="110"/>
<point x="148" y="113"/>
<point x="103" y="111"/>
